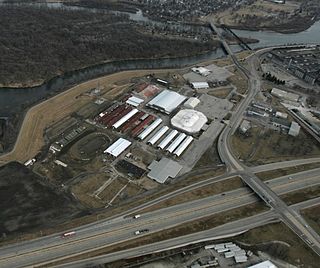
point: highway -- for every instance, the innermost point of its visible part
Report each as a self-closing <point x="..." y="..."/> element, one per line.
<point x="121" y="228"/>
<point x="92" y="237"/>
<point x="286" y="214"/>
<point x="284" y="164"/>
<point x="223" y="231"/>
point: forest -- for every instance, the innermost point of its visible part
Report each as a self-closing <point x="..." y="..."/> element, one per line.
<point x="39" y="43"/>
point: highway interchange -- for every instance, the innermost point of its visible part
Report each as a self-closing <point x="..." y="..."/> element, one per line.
<point x="121" y="228"/>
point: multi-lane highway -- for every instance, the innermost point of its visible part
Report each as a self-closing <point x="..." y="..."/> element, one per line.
<point x="222" y="231"/>
<point x="286" y="214"/>
<point x="92" y="237"/>
<point x="121" y="228"/>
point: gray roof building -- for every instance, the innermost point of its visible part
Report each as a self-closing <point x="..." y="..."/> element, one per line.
<point x="161" y="170"/>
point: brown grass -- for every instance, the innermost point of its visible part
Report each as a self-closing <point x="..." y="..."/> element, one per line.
<point x="269" y="175"/>
<point x="301" y="195"/>
<point x="30" y="138"/>
<point x="187" y="228"/>
<point x="312" y="217"/>
<point x="213" y="189"/>
<point x="298" y="253"/>
<point x="263" y="146"/>
<point x="221" y="93"/>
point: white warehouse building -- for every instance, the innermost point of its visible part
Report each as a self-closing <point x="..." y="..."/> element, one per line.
<point x="189" y="121"/>
<point x="166" y="101"/>
<point x="191" y="103"/>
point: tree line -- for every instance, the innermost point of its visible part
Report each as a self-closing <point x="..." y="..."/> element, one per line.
<point x="39" y="43"/>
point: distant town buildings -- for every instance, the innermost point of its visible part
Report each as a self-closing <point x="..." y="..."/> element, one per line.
<point x="303" y="63"/>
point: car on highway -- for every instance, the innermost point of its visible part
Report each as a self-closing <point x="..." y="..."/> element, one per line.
<point x="142" y="231"/>
<point x="136" y="216"/>
<point x="68" y="234"/>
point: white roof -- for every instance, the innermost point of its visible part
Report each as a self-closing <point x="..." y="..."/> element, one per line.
<point x="167" y="101"/>
<point x="134" y="101"/>
<point x="176" y="142"/>
<point x="265" y="264"/>
<point x="118" y="147"/>
<point x="167" y="139"/>
<point x="198" y="85"/>
<point x="158" y="135"/>
<point x="149" y="129"/>
<point x="201" y="70"/>
<point x="192" y="102"/>
<point x="294" y="129"/>
<point x="240" y="259"/>
<point x="183" y="146"/>
<point x="285" y="94"/>
<point x="125" y="118"/>
<point x="189" y="121"/>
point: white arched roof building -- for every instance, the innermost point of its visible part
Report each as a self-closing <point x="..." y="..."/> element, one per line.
<point x="189" y="121"/>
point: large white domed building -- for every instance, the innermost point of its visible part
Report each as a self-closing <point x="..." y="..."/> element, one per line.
<point x="189" y="121"/>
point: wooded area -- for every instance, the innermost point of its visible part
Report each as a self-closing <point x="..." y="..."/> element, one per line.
<point x="37" y="44"/>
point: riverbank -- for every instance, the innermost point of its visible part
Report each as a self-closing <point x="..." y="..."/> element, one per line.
<point x="288" y="28"/>
<point x="61" y="40"/>
<point x="33" y="84"/>
<point x="30" y="140"/>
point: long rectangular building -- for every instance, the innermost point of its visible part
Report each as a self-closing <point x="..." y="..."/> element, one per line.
<point x="118" y="147"/>
<point x="149" y="129"/>
<point x="125" y="118"/>
<point x="176" y="143"/>
<point x="167" y="139"/>
<point x="158" y="135"/>
<point x="183" y="146"/>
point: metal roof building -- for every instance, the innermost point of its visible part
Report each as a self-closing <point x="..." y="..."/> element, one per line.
<point x="285" y="94"/>
<point x="176" y="143"/>
<point x="166" y="101"/>
<point x="162" y="170"/>
<point x="125" y="118"/>
<point x="134" y="101"/>
<point x="264" y="264"/>
<point x="189" y="121"/>
<point x="294" y="129"/>
<point x="167" y="139"/>
<point x="201" y="70"/>
<point x="191" y="103"/>
<point x="199" y="85"/>
<point x="183" y="146"/>
<point x="118" y="147"/>
<point x="149" y="129"/>
<point x="158" y="135"/>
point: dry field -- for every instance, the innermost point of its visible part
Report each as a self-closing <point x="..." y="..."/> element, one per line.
<point x="30" y="138"/>
<point x="260" y="8"/>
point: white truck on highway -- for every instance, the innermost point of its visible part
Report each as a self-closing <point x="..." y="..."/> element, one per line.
<point x="142" y="231"/>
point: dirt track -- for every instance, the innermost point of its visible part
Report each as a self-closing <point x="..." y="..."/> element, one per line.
<point x="30" y="138"/>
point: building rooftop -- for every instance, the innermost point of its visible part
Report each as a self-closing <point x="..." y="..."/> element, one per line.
<point x="265" y="264"/>
<point x="166" y="101"/>
<point x="189" y="121"/>
<point x="294" y="129"/>
<point x="161" y="170"/>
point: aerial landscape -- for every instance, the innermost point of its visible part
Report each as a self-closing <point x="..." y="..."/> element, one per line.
<point x="160" y="133"/>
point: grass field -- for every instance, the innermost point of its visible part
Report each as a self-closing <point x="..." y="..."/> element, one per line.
<point x="213" y="189"/>
<point x="268" y="175"/>
<point x="187" y="228"/>
<point x="297" y="253"/>
<point x="301" y="195"/>
<point x="311" y="215"/>
<point x="262" y="146"/>
<point x="30" y="139"/>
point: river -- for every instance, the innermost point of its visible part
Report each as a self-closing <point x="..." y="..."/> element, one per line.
<point x="14" y="100"/>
